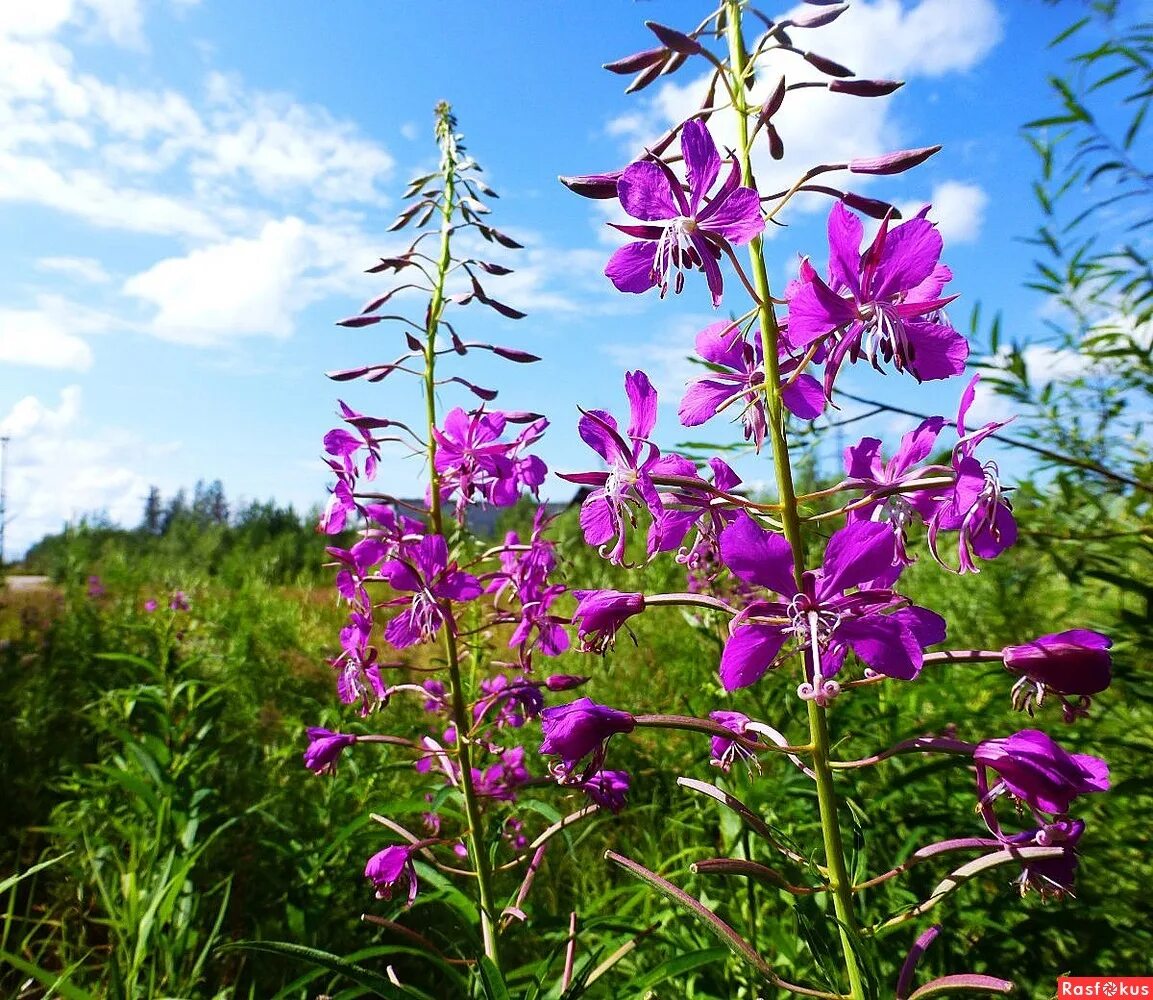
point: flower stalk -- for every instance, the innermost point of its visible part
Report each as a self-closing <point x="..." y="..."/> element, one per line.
<point x="489" y="911"/>
<point x="840" y="884"/>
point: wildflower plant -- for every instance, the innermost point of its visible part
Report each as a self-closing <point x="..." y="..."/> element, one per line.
<point x="805" y="587"/>
<point x="808" y="586"/>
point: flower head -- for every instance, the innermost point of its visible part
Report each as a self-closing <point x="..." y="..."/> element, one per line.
<point x="579" y="730"/>
<point x="391" y="870"/>
<point x="433" y="582"/>
<point x="633" y="461"/>
<point x="882" y="304"/>
<point x="881" y="627"/>
<point x="325" y="748"/>
<point x="600" y="614"/>
<point x="1075" y="662"/>
<point x="1035" y="769"/>
<point x="608" y="789"/>
<point x="725" y="751"/>
<point x="682" y="232"/>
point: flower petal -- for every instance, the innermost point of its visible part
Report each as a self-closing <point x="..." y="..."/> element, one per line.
<point x="884" y="644"/>
<point x="701" y="401"/>
<point x="845" y="235"/>
<point x="642" y="404"/>
<point x="857" y="553"/>
<point x="804" y="398"/>
<point x="702" y="162"/>
<point x="758" y="556"/>
<point x="909" y="257"/>
<point x="748" y="653"/>
<point x="645" y="193"/>
<point x="738" y="219"/>
<point x="630" y="269"/>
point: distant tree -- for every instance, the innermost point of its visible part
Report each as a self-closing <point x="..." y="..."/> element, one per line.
<point x="152" y="522"/>
<point x="175" y="510"/>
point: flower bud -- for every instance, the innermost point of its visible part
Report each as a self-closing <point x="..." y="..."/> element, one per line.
<point x="392" y="869"/>
<point x="1038" y="771"/>
<point x="892" y="163"/>
<point x="600" y="615"/>
<point x="670" y="38"/>
<point x="564" y="682"/>
<point x="325" y="748"/>
<point x="1072" y="662"/>
<point x="602" y="186"/>
<point x="574" y="731"/>
<point x="865" y="88"/>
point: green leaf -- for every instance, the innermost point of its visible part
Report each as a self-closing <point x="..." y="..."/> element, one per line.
<point x="678" y="965"/>
<point x="53" y="980"/>
<point x="493" y="982"/>
<point x="379" y="985"/>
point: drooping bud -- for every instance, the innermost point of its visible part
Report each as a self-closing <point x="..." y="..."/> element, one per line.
<point x="602" y="186"/>
<point x="1075" y="662"/>
<point x="772" y="103"/>
<point x="816" y="18"/>
<point x="564" y="682"/>
<point x="670" y="38"/>
<point x="865" y="88"/>
<point x="892" y="163"/>
<point x="827" y="66"/>
<point x="637" y="61"/>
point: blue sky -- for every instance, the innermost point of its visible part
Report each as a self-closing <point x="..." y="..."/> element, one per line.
<point x="190" y="191"/>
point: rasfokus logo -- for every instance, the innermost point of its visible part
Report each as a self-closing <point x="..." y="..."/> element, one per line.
<point x="1105" y="986"/>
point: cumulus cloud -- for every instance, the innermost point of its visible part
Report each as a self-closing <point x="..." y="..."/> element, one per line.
<point x="958" y="210"/>
<point x="47" y="438"/>
<point x="50" y="335"/>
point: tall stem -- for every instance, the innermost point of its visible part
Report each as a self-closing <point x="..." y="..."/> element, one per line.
<point x="460" y="716"/>
<point x="839" y="882"/>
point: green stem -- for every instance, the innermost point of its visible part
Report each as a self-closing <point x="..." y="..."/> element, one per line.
<point x="460" y="714"/>
<point x="840" y="884"/>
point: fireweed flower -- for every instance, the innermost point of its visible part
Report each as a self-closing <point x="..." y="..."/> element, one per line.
<point x="737" y="377"/>
<point x="1032" y="767"/>
<point x="325" y="748"/>
<point x="725" y="752"/>
<point x="682" y="232"/>
<point x="608" y="789"/>
<point x="433" y="582"/>
<point x="880" y="626"/>
<point x="1076" y="662"/>
<point x="899" y="508"/>
<point x="357" y="563"/>
<point x="516" y="700"/>
<point x="151" y="605"/>
<point x="579" y="730"/>
<point x="600" y="614"/>
<point x="977" y="508"/>
<point x="687" y="508"/>
<point x="1051" y="877"/>
<point x="502" y="779"/>
<point x="344" y="445"/>
<point x="391" y="870"/>
<point x="628" y="485"/>
<point x="475" y="465"/>
<point x="179" y="602"/>
<point x="95" y="587"/>
<point x="882" y="304"/>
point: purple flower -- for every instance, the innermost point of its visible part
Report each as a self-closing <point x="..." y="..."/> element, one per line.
<point x="1036" y="770"/>
<point x="502" y="779"/>
<point x="882" y="304"/>
<point x="95" y="587"/>
<point x="725" y="751"/>
<point x="1076" y="662"/>
<point x="434" y="582"/>
<point x="179" y="602"/>
<point x="976" y="508"/>
<point x="600" y="614"/>
<point x="878" y="625"/>
<point x="628" y="485"/>
<point x="518" y="701"/>
<point x="737" y="376"/>
<point x="608" y="789"/>
<point x="341" y="503"/>
<point x="866" y="470"/>
<point x="1051" y="877"/>
<point x="694" y="505"/>
<point x="437" y="695"/>
<point x="564" y="682"/>
<point x="474" y="464"/>
<point x="579" y="730"/>
<point x="391" y="870"/>
<point x="324" y="749"/>
<point x="343" y="445"/>
<point x="151" y="605"/>
<point x="682" y="232"/>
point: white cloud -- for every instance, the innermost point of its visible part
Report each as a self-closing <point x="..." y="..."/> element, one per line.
<point x="238" y="287"/>
<point x="47" y="337"/>
<point x="46" y="439"/>
<point x="87" y="269"/>
<point x="958" y="210"/>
